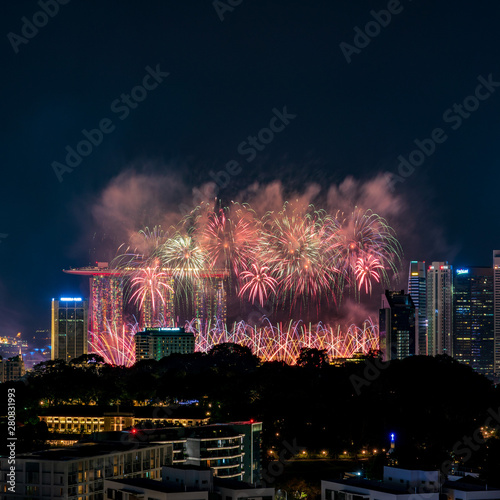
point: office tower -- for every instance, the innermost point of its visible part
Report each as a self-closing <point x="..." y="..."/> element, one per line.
<point x="496" y="306"/>
<point x="106" y="304"/>
<point x="440" y="309"/>
<point x="158" y="311"/>
<point x="417" y="288"/>
<point x="397" y="325"/>
<point x="69" y="328"/>
<point x="156" y="343"/>
<point x="473" y="325"/>
<point x="210" y="302"/>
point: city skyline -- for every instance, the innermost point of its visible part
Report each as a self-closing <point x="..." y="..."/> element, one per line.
<point x="239" y="118"/>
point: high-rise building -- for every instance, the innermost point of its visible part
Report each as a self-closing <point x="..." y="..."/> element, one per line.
<point x="106" y="298"/>
<point x="496" y="307"/>
<point x="417" y="288"/>
<point x="69" y="328"/>
<point x="158" y="311"/>
<point x="106" y="304"/>
<point x="440" y="309"/>
<point x="156" y="343"/>
<point x="210" y="302"/>
<point x="473" y="325"/>
<point x="397" y="325"/>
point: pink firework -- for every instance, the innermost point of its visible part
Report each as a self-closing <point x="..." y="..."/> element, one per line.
<point x="259" y="284"/>
<point x="116" y="345"/>
<point x="228" y="235"/>
<point x="150" y="285"/>
<point x="366" y="269"/>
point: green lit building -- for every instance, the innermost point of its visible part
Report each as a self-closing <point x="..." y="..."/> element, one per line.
<point x="156" y="343"/>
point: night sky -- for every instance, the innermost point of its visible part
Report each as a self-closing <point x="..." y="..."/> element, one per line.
<point x="351" y="121"/>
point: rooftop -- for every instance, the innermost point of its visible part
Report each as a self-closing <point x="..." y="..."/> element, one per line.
<point x="149" y="484"/>
<point x="84" y="451"/>
<point x="368" y="484"/>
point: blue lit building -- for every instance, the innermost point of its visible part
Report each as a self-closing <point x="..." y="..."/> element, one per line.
<point x="69" y="328"/>
<point x="473" y="322"/>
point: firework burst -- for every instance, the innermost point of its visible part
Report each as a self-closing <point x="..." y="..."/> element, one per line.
<point x="367" y="269"/>
<point x="116" y="345"/>
<point x="299" y="250"/>
<point x="259" y="284"/>
<point x="149" y="286"/>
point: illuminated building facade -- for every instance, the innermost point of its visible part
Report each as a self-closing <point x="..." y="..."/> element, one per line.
<point x="78" y="472"/>
<point x="473" y="320"/>
<point x="12" y="369"/>
<point x="162" y="314"/>
<point x="417" y="288"/>
<point x="156" y="343"/>
<point x="397" y="325"/>
<point x="206" y="302"/>
<point x="496" y="306"/>
<point x="211" y="302"/>
<point x="440" y="309"/>
<point x="69" y="328"/>
<point x="106" y="304"/>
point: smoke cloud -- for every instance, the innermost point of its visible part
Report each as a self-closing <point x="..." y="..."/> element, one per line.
<point x="134" y="200"/>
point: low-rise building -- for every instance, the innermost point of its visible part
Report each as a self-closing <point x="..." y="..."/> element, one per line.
<point x="134" y="489"/>
<point x="397" y="484"/>
<point x="79" y="472"/>
<point x="87" y="419"/>
<point x="464" y="489"/>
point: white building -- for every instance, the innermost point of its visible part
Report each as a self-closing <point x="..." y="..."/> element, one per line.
<point x="440" y="309"/>
<point x="397" y="484"/>
<point x="461" y="490"/>
<point x="134" y="489"/>
<point x="79" y="472"/>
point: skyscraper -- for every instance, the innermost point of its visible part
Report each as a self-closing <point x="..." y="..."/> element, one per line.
<point x="158" y="311"/>
<point x="69" y="328"/>
<point x="417" y="288"/>
<point x="473" y="325"/>
<point x="210" y="302"/>
<point x="397" y="325"/>
<point x="440" y="309"/>
<point x="106" y="304"/>
<point x="496" y="306"/>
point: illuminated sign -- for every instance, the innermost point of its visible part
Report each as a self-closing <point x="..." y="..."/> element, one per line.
<point x="462" y="271"/>
<point x="414" y="274"/>
<point x="170" y="329"/>
<point x="71" y="299"/>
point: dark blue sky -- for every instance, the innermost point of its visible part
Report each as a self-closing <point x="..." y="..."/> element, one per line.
<point x="225" y="78"/>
